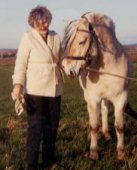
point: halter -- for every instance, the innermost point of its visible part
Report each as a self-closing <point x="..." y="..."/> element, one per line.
<point x="88" y="57"/>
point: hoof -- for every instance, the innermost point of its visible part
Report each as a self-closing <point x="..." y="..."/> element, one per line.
<point x="93" y="155"/>
<point x="121" y="154"/>
<point x="107" y="136"/>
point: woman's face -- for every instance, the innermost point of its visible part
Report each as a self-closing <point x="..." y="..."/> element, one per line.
<point x="42" y="27"/>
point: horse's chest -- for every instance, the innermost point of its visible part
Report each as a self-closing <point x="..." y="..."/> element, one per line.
<point x="103" y="88"/>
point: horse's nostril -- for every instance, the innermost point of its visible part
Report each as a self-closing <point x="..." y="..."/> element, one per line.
<point x="71" y="73"/>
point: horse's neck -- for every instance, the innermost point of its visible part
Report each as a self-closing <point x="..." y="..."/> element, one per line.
<point x="107" y="39"/>
<point x="109" y="47"/>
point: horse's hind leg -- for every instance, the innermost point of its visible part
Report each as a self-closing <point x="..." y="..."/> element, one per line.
<point x="119" y="126"/>
<point x="94" y="127"/>
<point x="104" y="112"/>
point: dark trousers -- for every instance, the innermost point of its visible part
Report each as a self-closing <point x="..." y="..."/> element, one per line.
<point x="43" y="119"/>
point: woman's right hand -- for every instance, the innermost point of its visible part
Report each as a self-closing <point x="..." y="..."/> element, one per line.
<point x="17" y="91"/>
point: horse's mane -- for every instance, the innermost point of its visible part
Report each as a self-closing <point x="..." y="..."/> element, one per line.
<point x="99" y="19"/>
<point x="69" y="32"/>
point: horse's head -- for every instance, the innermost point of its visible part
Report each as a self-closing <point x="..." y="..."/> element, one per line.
<point x="80" y="46"/>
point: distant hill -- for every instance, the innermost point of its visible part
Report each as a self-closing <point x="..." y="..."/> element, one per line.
<point x="6" y="53"/>
<point x="130" y="45"/>
<point x="11" y="53"/>
<point x="132" y="51"/>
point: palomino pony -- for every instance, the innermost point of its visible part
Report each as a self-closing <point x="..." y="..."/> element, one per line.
<point x="91" y="41"/>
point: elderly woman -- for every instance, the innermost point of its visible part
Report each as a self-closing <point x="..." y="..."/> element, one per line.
<point x="38" y="74"/>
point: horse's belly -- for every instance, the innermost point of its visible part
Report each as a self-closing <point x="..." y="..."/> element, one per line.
<point x="102" y="89"/>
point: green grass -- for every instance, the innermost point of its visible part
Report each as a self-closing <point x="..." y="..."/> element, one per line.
<point x="72" y="143"/>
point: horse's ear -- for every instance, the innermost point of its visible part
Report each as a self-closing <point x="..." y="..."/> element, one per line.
<point x="90" y="28"/>
<point x="66" y="22"/>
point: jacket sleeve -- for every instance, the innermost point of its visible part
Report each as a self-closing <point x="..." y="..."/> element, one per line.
<point x="60" y="56"/>
<point x="60" y="51"/>
<point x="21" y="63"/>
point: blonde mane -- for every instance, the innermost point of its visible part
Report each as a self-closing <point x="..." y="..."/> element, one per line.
<point x="69" y="33"/>
<point x="99" y="19"/>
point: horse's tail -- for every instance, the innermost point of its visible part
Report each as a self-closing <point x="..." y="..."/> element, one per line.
<point x="129" y="110"/>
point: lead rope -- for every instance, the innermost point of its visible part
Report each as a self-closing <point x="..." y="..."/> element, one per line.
<point x="111" y="74"/>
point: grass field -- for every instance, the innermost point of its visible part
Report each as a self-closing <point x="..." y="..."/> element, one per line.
<point x="72" y="143"/>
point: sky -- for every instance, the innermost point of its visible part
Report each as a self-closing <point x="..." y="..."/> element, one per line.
<point x="14" y="16"/>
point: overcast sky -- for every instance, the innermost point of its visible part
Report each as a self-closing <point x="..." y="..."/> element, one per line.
<point x="14" y="14"/>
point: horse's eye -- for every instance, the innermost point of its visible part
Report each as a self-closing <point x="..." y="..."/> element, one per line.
<point x="81" y="42"/>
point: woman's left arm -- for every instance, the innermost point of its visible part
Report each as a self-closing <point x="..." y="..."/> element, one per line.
<point x="21" y="63"/>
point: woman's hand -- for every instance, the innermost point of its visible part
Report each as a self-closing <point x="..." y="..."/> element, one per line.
<point x="17" y="91"/>
<point x="17" y="96"/>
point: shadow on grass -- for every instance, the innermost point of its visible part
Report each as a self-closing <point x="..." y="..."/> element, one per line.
<point x="4" y="134"/>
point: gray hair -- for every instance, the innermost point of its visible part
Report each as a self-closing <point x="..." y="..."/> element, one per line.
<point x="39" y="13"/>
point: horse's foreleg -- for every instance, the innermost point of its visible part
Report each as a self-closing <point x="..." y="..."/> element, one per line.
<point x="94" y="126"/>
<point x="119" y="127"/>
<point x="104" y="112"/>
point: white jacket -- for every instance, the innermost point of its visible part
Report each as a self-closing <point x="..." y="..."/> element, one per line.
<point x="37" y="64"/>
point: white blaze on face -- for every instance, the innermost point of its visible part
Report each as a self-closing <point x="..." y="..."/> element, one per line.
<point x="72" y="67"/>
